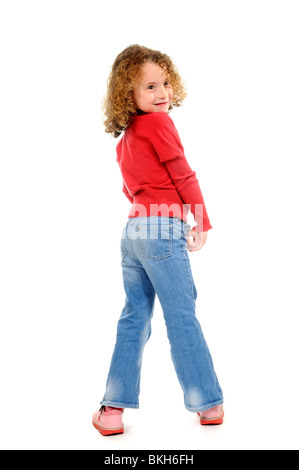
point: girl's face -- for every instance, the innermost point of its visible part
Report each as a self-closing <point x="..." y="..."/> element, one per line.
<point x="152" y="92"/>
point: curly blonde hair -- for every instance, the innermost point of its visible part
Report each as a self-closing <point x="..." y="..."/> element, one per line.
<point x="119" y="105"/>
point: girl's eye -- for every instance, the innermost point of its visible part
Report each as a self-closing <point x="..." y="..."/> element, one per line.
<point x="152" y="87"/>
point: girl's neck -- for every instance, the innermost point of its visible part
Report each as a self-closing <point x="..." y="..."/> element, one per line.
<point x="140" y="113"/>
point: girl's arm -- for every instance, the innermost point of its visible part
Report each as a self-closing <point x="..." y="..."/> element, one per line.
<point x="188" y="188"/>
<point x="126" y="192"/>
<point x="165" y="138"/>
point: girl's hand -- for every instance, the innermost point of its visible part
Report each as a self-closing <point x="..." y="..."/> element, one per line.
<point x="199" y="239"/>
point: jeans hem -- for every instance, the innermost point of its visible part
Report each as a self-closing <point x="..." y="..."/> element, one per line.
<point x="205" y="408"/>
<point x="118" y="404"/>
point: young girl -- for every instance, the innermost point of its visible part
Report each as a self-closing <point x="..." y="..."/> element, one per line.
<point x="143" y="87"/>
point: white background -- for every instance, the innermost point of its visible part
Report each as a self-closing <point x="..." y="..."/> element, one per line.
<point x="62" y="211"/>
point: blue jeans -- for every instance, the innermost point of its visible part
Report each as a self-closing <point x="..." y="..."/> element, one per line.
<point x="155" y="260"/>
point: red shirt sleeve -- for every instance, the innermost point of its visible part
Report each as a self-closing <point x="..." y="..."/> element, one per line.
<point x="167" y="143"/>
<point x="188" y="187"/>
<point x="126" y="192"/>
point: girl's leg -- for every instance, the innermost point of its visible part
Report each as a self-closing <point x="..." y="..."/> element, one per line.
<point x="133" y="332"/>
<point x="167" y="264"/>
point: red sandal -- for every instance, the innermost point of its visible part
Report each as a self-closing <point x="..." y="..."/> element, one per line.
<point x="212" y="416"/>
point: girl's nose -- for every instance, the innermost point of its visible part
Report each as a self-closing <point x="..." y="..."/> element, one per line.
<point x="162" y="93"/>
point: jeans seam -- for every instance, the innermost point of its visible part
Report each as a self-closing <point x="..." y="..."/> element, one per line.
<point x="190" y="277"/>
<point x="119" y="404"/>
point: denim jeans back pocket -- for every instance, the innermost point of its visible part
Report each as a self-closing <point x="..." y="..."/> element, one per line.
<point x="155" y="241"/>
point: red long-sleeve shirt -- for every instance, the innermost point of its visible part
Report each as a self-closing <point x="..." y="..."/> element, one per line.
<point x="157" y="178"/>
